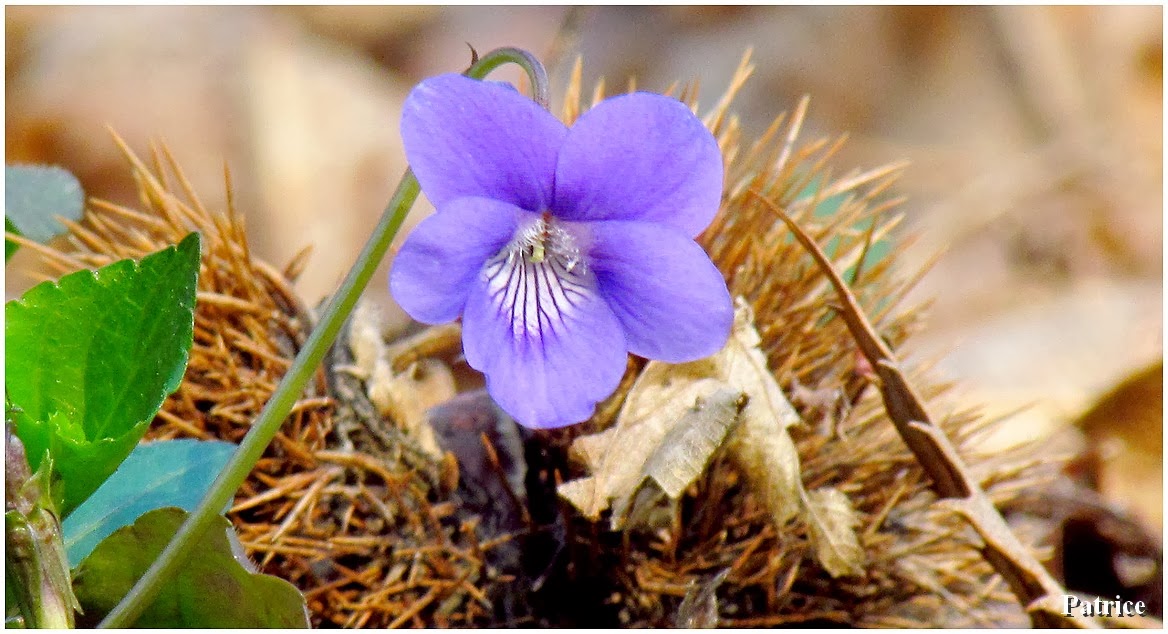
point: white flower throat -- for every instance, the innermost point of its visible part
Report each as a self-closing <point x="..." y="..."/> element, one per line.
<point x="538" y="278"/>
<point x="543" y="239"/>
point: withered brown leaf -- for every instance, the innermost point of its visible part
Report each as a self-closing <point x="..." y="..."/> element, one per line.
<point x="658" y="400"/>
<point x="761" y="446"/>
<point x="664" y="434"/>
<point x="833" y="522"/>
<point x="686" y="449"/>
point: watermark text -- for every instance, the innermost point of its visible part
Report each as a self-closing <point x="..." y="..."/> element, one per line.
<point x="1076" y="606"/>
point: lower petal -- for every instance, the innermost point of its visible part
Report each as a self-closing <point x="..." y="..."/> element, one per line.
<point x="436" y="266"/>
<point x="551" y="348"/>
<point x="669" y="297"/>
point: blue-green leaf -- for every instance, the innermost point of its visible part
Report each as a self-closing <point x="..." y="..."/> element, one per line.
<point x="156" y="475"/>
<point x="35" y="194"/>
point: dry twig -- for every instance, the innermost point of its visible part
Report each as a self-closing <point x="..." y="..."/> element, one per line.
<point x="1037" y="591"/>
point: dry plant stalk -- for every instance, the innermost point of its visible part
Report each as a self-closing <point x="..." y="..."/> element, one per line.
<point x="1035" y="588"/>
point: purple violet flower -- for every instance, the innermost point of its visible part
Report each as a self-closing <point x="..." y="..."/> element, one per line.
<point x="562" y="249"/>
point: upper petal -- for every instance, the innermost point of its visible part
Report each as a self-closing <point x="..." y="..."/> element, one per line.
<point x="433" y="272"/>
<point x="549" y="345"/>
<point x="465" y="137"/>
<point x="640" y="157"/>
<point x="669" y="297"/>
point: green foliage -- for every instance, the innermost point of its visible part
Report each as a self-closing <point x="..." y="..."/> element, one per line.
<point x="169" y="473"/>
<point x="90" y="359"/>
<point x="33" y="196"/>
<point x="10" y="247"/>
<point x="212" y="590"/>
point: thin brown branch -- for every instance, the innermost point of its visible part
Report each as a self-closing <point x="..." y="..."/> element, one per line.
<point x="1037" y="591"/>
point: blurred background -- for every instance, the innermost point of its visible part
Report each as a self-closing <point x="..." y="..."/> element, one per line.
<point x="1034" y="135"/>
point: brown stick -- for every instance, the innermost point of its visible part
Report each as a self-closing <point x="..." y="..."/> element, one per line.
<point x="1037" y="591"/>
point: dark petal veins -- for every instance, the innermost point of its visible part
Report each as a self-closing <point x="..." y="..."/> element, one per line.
<point x="548" y="344"/>
<point x="433" y="272"/>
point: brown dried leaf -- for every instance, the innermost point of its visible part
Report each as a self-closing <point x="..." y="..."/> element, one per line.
<point x="761" y="446"/>
<point x="764" y="450"/>
<point x="660" y="398"/>
<point x="833" y="523"/>
<point x="684" y="452"/>
<point x="365" y="340"/>
<point x="743" y="365"/>
<point x="767" y="456"/>
<point x="686" y="449"/>
<point x="403" y="397"/>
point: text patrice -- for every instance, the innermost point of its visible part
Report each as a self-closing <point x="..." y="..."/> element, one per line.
<point x="1074" y="606"/>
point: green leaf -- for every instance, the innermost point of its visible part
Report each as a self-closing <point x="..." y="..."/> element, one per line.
<point x="211" y="591"/>
<point x="169" y="473"/>
<point x="61" y="441"/>
<point x="10" y="247"/>
<point x="35" y="194"/>
<point x="91" y="358"/>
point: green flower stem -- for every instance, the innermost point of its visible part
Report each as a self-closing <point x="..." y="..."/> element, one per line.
<point x="36" y="570"/>
<point x="176" y="553"/>
<point x="275" y="411"/>
<point x="35" y="566"/>
<point x="508" y="55"/>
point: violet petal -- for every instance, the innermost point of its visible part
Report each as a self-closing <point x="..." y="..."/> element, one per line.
<point x="465" y="137"/>
<point x="669" y="297"/>
<point x="640" y="157"/>
<point x="551" y="349"/>
<point x="433" y="272"/>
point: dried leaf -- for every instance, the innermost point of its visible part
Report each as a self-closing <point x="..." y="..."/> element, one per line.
<point x="768" y="458"/>
<point x="590" y="450"/>
<point x="764" y="450"/>
<point x="684" y="452"/>
<point x="743" y="365"/>
<point x="366" y="342"/>
<point x="771" y="462"/>
<point x="833" y="531"/>
<point x="403" y="397"/>
<point x="761" y="446"/>
<point x="686" y="449"/>
<point x="660" y="435"/>
<point x="658" y="400"/>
